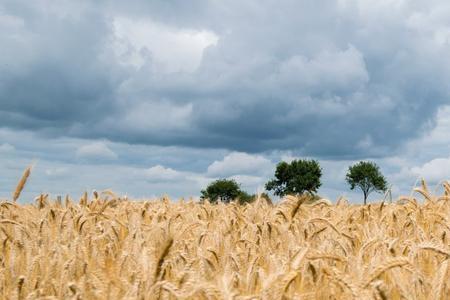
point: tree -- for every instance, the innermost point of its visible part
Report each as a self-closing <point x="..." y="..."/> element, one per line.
<point x="296" y="178"/>
<point x="367" y="177"/>
<point x="224" y="190"/>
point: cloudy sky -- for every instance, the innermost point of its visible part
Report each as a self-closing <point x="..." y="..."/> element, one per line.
<point x="163" y="96"/>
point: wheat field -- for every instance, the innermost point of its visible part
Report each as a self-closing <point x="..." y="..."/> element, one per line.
<point x="106" y="247"/>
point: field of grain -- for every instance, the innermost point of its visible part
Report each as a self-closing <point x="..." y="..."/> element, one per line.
<point x="106" y="247"/>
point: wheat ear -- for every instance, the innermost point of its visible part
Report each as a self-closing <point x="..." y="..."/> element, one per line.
<point x="398" y="262"/>
<point x="21" y="183"/>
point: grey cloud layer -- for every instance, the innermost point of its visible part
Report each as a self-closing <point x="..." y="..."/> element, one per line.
<point x="325" y="78"/>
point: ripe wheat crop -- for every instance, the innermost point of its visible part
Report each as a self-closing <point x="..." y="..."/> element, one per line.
<point x="107" y="247"/>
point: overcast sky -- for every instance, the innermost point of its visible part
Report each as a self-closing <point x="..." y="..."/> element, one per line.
<point x="163" y="96"/>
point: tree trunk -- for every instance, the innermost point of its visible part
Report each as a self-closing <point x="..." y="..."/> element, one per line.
<point x="365" y="198"/>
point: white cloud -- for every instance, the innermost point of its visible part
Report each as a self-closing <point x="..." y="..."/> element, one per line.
<point x="327" y="71"/>
<point x="250" y="183"/>
<point x="434" y="171"/>
<point x="288" y="157"/>
<point x="171" y="49"/>
<point x="96" y="150"/>
<point x="159" y="173"/>
<point x="239" y="163"/>
<point x="7" y="148"/>
<point x="435" y="141"/>
<point x="57" y="172"/>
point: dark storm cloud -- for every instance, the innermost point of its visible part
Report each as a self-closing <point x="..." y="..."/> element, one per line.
<point x="54" y="68"/>
<point x="324" y="78"/>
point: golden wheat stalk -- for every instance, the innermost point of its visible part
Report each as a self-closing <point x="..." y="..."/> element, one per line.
<point x="115" y="248"/>
<point x="438" y="283"/>
<point x="396" y="262"/>
<point x="21" y="183"/>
